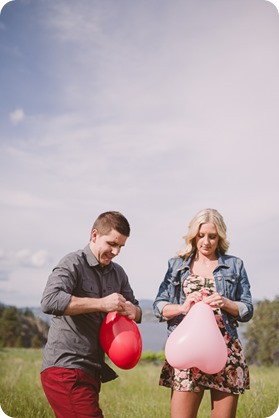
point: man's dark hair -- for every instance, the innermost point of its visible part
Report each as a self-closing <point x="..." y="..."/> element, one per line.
<point x="111" y="220"/>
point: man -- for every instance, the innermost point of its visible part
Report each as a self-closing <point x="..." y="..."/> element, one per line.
<point x="81" y="290"/>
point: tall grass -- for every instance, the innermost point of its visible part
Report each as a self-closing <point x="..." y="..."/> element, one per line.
<point x="21" y="393"/>
<point x="135" y="394"/>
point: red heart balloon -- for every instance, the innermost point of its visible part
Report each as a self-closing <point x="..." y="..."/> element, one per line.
<point x="121" y="340"/>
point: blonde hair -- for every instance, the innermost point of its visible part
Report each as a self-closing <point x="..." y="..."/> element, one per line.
<point x="202" y="217"/>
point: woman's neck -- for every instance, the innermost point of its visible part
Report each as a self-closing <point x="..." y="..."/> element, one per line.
<point x="204" y="260"/>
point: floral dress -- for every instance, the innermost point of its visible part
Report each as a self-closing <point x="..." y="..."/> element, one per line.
<point x="233" y="378"/>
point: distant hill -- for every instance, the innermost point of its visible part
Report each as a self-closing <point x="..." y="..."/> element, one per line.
<point x="39" y="314"/>
<point x="21" y="328"/>
<point x="147" y="312"/>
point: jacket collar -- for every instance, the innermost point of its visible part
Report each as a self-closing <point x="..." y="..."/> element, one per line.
<point x="186" y="263"/>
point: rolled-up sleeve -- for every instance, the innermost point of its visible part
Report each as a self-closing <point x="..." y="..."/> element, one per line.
<point x="243" y="297"/>
<point x="58" y="291"/>
<point x="242" y="309"/>
<point x="160" y="306"/>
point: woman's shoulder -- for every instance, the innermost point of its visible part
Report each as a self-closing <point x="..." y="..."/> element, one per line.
<point x="177" y="262"/>
<point x="229" y="259"/>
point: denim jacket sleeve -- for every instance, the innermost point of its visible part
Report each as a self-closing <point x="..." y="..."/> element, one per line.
<point x="170" y="289"/>
<point x="232" y="282"/>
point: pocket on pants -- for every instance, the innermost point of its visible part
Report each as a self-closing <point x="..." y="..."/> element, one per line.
<point x="83" y="378"/>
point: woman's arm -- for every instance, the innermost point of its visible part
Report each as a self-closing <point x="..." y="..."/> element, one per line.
<point x="172" y="310"/>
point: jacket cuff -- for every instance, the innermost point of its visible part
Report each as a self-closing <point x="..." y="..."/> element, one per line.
<point x="242" y="309"/>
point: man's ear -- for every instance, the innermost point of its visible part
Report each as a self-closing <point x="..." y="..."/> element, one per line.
<point x="94" y="234"/>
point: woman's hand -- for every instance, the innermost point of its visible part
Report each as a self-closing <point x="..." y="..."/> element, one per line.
<point x="191" y="299"/>
<point x="172" y="310"/>
<point x="218" y="301"/>
<point x="214" y="301"/>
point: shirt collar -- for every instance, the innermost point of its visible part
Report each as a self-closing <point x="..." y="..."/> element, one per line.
<point x="90" y="257"/>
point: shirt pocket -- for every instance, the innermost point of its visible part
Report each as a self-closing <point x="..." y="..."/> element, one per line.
<point x="231" y="282"/>
<point x="88" y="288"/>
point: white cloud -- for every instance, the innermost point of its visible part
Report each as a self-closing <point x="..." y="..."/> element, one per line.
<point x="12" y="260"/>
<point x="27" y="258"/>
<point x="17" y="116"/>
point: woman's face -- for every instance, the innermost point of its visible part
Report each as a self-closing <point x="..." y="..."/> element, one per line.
<point x="207" y="239"/>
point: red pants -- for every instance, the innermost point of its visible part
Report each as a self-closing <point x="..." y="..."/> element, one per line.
<point x="72" y="393"/>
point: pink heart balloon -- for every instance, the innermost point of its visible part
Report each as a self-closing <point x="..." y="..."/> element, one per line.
<point x="197" y="342"/>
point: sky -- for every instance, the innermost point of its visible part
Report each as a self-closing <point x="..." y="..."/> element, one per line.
<point x="153" y="108"/>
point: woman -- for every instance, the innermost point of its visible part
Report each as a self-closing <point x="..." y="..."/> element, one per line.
<point x="203" y="271"/>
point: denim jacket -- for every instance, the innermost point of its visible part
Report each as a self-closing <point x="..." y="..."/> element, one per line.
<point x="231" y="281"/>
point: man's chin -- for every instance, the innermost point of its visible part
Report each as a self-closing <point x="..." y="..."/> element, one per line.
<point x="105" y="262"/>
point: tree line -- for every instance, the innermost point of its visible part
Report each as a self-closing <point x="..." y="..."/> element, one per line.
<point x="21" y="328"/>
<point x="262" y="334"/>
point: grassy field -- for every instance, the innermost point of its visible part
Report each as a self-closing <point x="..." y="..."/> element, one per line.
<point x="135" y="394"/>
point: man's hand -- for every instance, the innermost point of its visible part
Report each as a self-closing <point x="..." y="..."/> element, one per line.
<point x="113" y="302"/>
<point x="130" y="310"/>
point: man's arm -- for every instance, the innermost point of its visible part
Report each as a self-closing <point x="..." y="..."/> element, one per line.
<point x="110" y="303"/>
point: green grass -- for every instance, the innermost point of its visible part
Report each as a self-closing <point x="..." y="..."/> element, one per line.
<point x="135" y="394"/>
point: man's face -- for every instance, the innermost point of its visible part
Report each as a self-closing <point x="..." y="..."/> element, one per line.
<point x="106" y="247"/>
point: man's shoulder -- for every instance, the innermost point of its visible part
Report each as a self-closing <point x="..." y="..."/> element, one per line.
<point x="72" y="257"/>
<point x="74" y="254"/>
